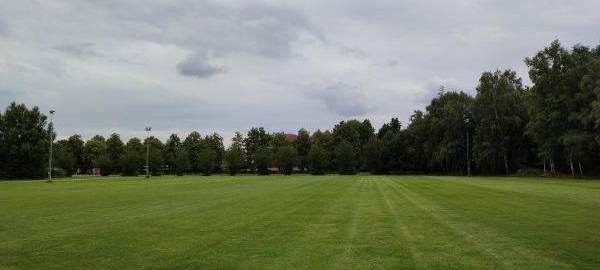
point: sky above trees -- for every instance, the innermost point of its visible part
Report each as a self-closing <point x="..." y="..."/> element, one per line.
<point x="226" y="66"/>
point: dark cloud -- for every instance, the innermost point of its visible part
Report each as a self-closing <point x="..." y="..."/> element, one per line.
<point x="3" y="27"/>
<point x="198" y="66"/>
<point x="345" y="100"/>
<point x="77" y="49"/>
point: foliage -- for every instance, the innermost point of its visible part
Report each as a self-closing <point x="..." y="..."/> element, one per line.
<point x="24" y="143"/>
<point x="345" y="157"/>
<point x="286" y="159"/>
<point x="262" y="160"/>
<point x="233" y="158"/>
<point x="318" y="160"/>
<point x="302" y="148"/>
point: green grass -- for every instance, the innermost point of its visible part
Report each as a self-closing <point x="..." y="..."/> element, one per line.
<point x="300" y="222"/>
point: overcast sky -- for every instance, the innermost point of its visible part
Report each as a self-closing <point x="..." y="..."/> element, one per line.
<point x="226" y="66"/>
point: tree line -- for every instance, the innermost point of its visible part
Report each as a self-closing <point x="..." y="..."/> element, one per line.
<point x="506" y="128"/>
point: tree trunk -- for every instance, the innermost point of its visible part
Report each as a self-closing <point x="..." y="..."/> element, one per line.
<point x="544" y="167"/>
<point x="506" y="164"/>
<point x="580" y="168"/>
<point x="572" y="168"/>
<point x="552" y="171"/>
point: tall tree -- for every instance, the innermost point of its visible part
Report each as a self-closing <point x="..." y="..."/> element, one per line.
<point x="133" y="157"/>
<point x="214" y="143"/>
<point x="302" y="148"/>
<point x="262" y="159"/>
<point x="318" y="160"/>
<point x="75" y="145"/>
<point x="499" y="119"/>
<point x="193" y="145"/>
<point x="155" y="154"/>
<point x="286" y="159"/>
<point x="172" y="146"/>
<point x="256" y="138"/>
<point x="23" y="142"/>
<point x="93" y="149"/>
<point x="345" y="158"/>
<point x="233" y="159"/>
<point x="64" y="158"/>
<point x="114" y="148"/>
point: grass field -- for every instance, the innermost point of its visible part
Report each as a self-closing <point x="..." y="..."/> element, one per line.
<point x="300" y="222"/>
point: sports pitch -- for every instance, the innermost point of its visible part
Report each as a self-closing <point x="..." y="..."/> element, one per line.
<point x="300" y="222"/>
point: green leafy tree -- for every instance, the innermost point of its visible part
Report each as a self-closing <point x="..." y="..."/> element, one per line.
<point x="233" y="159"/>
<point x="193" y="145"/>
<point x="155" y="154"/>
<point x="345" y="158"/>
<point x="24" y="141"/>
<point x="130" y="162"/>
<point x="286" y="159"/>
<point x="92" y="149"/>
<point x="64" y="158"/>
<point x="172" y="146"/>
<point x="302" y="148"/>
<point x="393" y="126"/>
<point x="207" y="160"/>
<point x="374" y="159"/>
<point x="499" y="119"/>
<point x="256" y="138"/>
<point x="214" y="143"/>
<point x="75" y="145"/>
<point x="104" y="163"/>
<point x="318" y="160"/>
<point x="262" y="160"/>
<point x="114" y="148"/>
<point x="182" y="164"/>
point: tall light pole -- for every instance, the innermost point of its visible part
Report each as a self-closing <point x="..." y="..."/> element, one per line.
<point x="468" y="158"/>
<point x="148" y="152"/>
<point x="51" y="127"/>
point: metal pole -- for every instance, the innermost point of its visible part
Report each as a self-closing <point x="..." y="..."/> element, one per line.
<point x="148" y="152"/>
<point x="51" y="142"/>
<point x="468" y="159"/>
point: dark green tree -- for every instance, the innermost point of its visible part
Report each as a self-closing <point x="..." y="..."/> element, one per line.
<point x="302" y="148"/>
<point x="207" y="159"/>
<point x="24" y="143"/>
<point x="182" y="164"/>
<point x="256" y="138"/>
<point x="345" y="159"/>
<point x="75" y="145"/>
<point x="374" y="159"/>
<point x="286" y="159"/>
<point x="262" y="160"/>
<point x="318" y="160"/>
<point x="499" y="118"/>
<point x="92" y="149"/>
<point x="155" y="154"/>
<point x="114" y="148"/>
<point x="64" y="158"/>
<point x="233" y="159"/>
<point x="193" y="145"/>
<point x="172" y="145"/>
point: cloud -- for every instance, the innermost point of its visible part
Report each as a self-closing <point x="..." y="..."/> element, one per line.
<point x="77" y="49"/>
<point x="343" y="99"/>
<point x="3" y="27"/>
<point x="198" y="66"/>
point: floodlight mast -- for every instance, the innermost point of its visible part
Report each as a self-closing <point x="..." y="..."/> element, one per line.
<point x="468" y="157"/>
<point x="50" y="130"/>
<point x="148" y="129"/>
